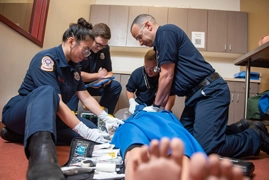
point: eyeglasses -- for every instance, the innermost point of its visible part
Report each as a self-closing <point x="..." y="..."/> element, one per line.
<point x="99" y="45"/>
<point x="86" y="52"/>
<point x="139" y="36"/>
<point x="149" y="69"/>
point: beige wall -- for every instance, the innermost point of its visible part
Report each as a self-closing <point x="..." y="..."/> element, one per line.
<point x="258" y="26"/>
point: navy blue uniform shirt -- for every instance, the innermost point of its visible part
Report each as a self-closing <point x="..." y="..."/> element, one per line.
<point x="136" y="84"/>
<point x="98" y="60"/>
<point x="49" y="67"/>
<point x="172" y="45"/>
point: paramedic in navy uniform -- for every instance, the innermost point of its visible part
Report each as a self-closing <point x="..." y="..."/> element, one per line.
<point x="184" y="72"/>
<point x="98" y="65"/>
<point x="143" y="84"/>
<point x="40" y="112"/>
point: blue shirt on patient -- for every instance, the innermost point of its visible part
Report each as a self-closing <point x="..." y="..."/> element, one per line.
<point x="142" y="127"/>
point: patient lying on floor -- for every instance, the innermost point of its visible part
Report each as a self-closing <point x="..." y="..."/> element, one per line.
<point x="178" y="151"/>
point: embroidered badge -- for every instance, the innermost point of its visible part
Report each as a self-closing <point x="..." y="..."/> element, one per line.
<point x="76" y="76"/>
<point x="47" y="64"/>
<point x="102" y="56"/>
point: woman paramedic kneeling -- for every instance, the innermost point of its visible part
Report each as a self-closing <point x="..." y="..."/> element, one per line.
<point x="40" y="113"/>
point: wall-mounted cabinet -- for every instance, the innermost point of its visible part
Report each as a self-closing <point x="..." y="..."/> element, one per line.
<point x="197" y="22"/>
<point x="178" y="16"/>
<point x="116" y="17"/>
<point x="159" y="13"/>
<point x="227" y="31"/>
<point x="133" y="12"/>
<point x="221" y="31"/>
<point x="118" y="20"/>
<point x="95" y="14"/>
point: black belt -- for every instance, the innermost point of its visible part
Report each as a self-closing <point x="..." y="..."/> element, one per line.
<point x="209" y="79"/>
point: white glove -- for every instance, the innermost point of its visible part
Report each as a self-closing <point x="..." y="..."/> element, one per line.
<point x="91" y="134"/>
<point x="153" y="108"/>
<point x="132" y="104"/>
<point x="111" y="123"/>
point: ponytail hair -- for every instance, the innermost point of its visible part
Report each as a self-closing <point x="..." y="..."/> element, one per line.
<point x="80" y="30"/>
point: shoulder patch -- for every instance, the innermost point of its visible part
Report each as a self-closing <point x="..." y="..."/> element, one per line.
<point x="47" y="64"/>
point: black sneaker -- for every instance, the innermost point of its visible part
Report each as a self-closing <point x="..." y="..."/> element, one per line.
<point x="260" y="128"/>
<point x="11" y="136"/>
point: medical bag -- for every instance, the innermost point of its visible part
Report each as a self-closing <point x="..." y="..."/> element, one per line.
<point x="258" y="106"/>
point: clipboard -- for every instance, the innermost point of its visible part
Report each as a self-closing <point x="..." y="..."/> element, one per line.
<point x="99" y="82"/>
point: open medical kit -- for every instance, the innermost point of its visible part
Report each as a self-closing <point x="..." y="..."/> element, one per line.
<point x="91" y="160"/>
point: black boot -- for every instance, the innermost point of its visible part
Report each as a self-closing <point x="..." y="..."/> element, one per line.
<point x="43" y="163"/>
<point x="242" y="125"/>
<point x="237" y="127"/>
<point x="260" y="128"/>
<point x="11" y="136"/>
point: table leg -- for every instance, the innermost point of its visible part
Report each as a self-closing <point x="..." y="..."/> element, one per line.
<point x="247" y="80"/>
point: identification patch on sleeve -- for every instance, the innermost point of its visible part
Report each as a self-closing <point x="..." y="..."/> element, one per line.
<point x="47" y="64"/>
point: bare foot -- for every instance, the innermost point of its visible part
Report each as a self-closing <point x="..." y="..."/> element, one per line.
<point x="155" y="164"/>
<point x="213" y="168"/>
<point x="152" y="163"/>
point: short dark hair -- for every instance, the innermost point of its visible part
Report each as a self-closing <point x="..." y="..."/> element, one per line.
<point x="79" y="30"/>
<point x="102" y="30"/>
<point x="140" y="19"/>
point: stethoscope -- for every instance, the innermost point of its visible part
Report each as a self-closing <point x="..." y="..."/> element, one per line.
<point x="146" y="78"/>
<point x="156" y="68"/>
